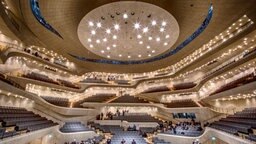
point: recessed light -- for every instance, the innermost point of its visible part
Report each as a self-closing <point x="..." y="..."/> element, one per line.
<point x="108" y="48"/>
<point x="114" y="37"/>
<point x="158" y="39"/>
<point x="114" y="45"/>
<point x="165" y="43"/>
<point x="164" y="23"/>
<point x="108" y="56"/>
<point x="167" y="36"/>
<point x="117" y="27"/>
<point x="108" y="31"/>
<point x="98" y="24"/>
<point x="125" y="16"/>
<point x="145" y="29"/>
<point x="161" y="29"/>
<point x="120" y="55"/>
<point x="141" y="42"/>
<point x="139" y="55"/>
<point x="148" y="47"/>
<point x="91" y="23"/>
<point x="102" y="51"/>
<point x="89" y="40"/>
<point x="139" y="36"/>
<point x="129" y="56"/>
<point x="137" y="25"/>
<point x="105" y="39"/>
<point x="150" y="38"/>
<point x="153" y="23"/>
<point x="93" y="32"/>
<point x="91" y="46"/>
<point x="149" y="55"/>
<point x="97" y="41"/>
<point x="153" y="51"/>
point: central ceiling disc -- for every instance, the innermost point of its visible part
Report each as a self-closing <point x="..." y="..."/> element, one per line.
<point x="128" y="30"/>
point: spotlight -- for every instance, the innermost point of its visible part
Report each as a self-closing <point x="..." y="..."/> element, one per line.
<point x="145" y="29"/>
<point x="98" y="25"/>
<point x="125" y="16"/>
<point x="164" y="23"/>
<point x="91" y="23"/>
<point x="108" y="31"/>
<point x="137" y="25"/>
<point x="117" y="27"/>
<point x="93" y="32"/>
<point x="153" y="23"/>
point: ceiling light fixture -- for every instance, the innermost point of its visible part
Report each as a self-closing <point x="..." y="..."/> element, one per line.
<point x="141" y="42"/>
<point x="108" y="48"/>
<point x="114" y="37"/>
<point x="137" y="25"/>
<point x="108" y="56"/>
<point x="139" y="55"/>
<point x="145" y="29"/>
<point x="120" y="55"/>
<point x="89" y="40"/>
<point x="161" y="29"/>
<point x="150" y="38"/>
<point x="98" y="24"/>
<point x="102" y="51"/>
<point x="117" y="27"/>
<point x="129" y="56"/>
<point x="167" y="36"/>
<point x="93" y="32"/>
<point x="125" y="16"/>
<point x="91" y="23"/>
<point x="164" y="23"/>
<point x="139" y="36"/>
<point x="153" y="23"/>
<point x="148" y="47"/>
<point x="108" y="31"/>
<point x="97" y="41"/>
<point x="158" y="39"/>
<point x="105" y="39"/>
<point x="91" y="46"/>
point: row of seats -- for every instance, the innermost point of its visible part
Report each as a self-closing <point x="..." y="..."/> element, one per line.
<point x="16" y="120"/>
<point x="156" y="89"/>
<point x="128" y="99"/>
<point x="64" y="102"/>
<point x="71" y="127"/>
<point x="181" y="103"/>
<point x="45" y="78"/>
<point x="240" y="123"/>
<point x="159" y="141"/>
<point x="101" y="97"/>
<point x="10" y="82"/>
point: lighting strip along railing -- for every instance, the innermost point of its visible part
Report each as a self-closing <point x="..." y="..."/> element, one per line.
<point x="239" y="96"/>
<point x="248" y="68"/>
<point x="216" y="43"/>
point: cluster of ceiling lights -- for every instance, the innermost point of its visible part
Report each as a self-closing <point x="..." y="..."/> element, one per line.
<point x="112" y="33"/>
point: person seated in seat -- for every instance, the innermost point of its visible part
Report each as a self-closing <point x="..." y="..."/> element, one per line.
<point x="134" y="142"/>
<point x="123" y="141"/>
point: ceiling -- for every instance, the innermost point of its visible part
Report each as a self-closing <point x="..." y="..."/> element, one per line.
<point x="66" y="16"/>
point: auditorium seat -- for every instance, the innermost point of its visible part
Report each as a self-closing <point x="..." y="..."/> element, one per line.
<point x="182" y="86"/>
<point x="159" y="141"/>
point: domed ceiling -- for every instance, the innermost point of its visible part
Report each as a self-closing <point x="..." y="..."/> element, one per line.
<point x="168" y="22"/>
<point x="128" y="30"/>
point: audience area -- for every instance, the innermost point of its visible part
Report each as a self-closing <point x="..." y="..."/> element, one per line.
<point x="192" y="129"/>
<point x="181" y="103"/>
<point x="44" y="78"/>
<point x="58" y="101"/>
<point x="15" y="121"/>
<point x="241" y="124"/>
<point x="156" y="89"/>
<point x="128" y="99"/>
